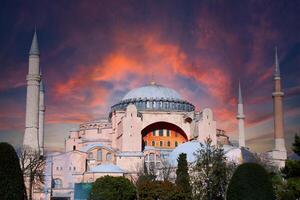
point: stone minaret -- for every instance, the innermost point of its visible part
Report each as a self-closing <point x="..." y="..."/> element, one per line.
<point x="41" y="118"/>
<point x="32" y="100"/>
<point x="279" y="153"/>
<point x="241" y="117"/>
<point x="278" y="111"/>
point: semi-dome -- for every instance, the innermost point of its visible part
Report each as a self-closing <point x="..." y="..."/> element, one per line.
<point x="153" y="91"/>
<point x="154" y="97"/>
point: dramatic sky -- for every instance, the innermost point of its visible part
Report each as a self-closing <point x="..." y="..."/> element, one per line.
<point x="93" y="52"/>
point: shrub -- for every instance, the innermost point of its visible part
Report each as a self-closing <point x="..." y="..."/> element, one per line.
<point x="112" y="188"/>
<point x="11" y="178"/>
<point x="250" y="181"/>
<point x="162" y="190"/>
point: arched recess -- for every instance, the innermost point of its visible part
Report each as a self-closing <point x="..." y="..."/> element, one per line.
<point x="163" y="135"/>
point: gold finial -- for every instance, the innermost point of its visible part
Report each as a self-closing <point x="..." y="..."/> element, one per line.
<point x="152" y="79"/>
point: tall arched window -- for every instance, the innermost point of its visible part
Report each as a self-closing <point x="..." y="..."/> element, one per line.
<point x="153" y="143"/>
<point x="169" y="143"/>
<point x="99" y="154"/>
<point x="57" y="183"/>
<point x="176" y="143"/>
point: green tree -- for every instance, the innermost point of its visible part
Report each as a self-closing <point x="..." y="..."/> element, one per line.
<point x="182" y="176"/>
<point x="211" y="173"/>
<point x="112" y="188"/>
<point x="289" y="186"/>
<point x="250" y="181"/>
<point x="296" y="145"/>
<point x="11" y="178"/>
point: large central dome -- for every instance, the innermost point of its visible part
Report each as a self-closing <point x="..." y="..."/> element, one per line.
<point x="154" y="97"/>
<point x="152" y="91"/>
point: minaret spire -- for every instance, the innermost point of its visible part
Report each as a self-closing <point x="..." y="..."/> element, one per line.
<point x="277" y="70"/>
<point x="33" y="78"/>
<point x="34" y="49"/>
<point x="241" y="117"/>
<point x="240" y="94"/>
<point x="279" y="153"/>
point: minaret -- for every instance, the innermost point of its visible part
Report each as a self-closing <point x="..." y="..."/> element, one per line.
<point x="278" y="111"/>
<point x="279" y="154"/>
<point x="32" y="100"/>
<point x="241" y="117"/>
<point x="41" y="117"/>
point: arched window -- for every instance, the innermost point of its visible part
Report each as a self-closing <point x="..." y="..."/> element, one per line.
<point x="99" y="154"/>
<point x="74" y="147"/>
<point x="153" y="143"/>
<point x="108" y="156"/>
<point x="153" y="133"/>
<point x="168" y="133"/>
<point x="151" y="157"/>
<point x="161" y="132"/>
<point x="169" y="143"/>
<point x="57" y="183"/>
<point x="161" y="143"/>
<point x="176" y="143"/>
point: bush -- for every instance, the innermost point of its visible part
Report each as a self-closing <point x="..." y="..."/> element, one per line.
<point x="250" y="181"/>
<point x="162" y="190"/>
<point x="113" y="188"/>
<point x="291" y="169"/>
<point x="11" y="178"/>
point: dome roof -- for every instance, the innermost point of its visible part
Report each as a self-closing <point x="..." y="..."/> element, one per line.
<point x="107" y="168"/>
<point x="152" y="91"/>
<point x="232" y="153"/>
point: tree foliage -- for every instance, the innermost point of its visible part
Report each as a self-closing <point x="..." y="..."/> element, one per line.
<point x="288" y="187"/>
<point x="159" y="190"/>
<point x="113" y="188"/>
<point x="211" y="173"/>
<point x="296" y="145"/>
<point x="182" y="176"/>
<point x="250" y="181"/>
<point x="11" y="179"/>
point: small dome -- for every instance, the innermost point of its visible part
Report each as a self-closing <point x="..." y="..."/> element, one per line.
<point x="107" y="168"/>
<point x="189" y="148"/>
<point x="152" y="91"/>
<point x="232" y="154"/>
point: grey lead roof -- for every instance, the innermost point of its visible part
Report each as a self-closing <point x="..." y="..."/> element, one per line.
<point x="153" y="91"/>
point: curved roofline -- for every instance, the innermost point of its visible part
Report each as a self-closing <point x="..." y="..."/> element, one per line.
<point x="146" y="92"/>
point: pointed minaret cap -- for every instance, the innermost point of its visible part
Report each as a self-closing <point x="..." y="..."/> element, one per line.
<point x="34" y="49"/>
<point x="240" y="94"/>
<point x="277" y="70"/>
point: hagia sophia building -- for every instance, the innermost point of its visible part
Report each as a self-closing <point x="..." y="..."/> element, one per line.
<point x="150" y="125"/>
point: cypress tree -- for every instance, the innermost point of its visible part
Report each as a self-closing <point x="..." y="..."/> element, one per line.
<point x="182" y="175"/>
<point x="296" y="145"/>
<point x="11" y="178"/>
<point x="250" y="181"/>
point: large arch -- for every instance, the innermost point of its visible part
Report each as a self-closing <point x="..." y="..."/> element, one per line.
<point x="163" y="135"/>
